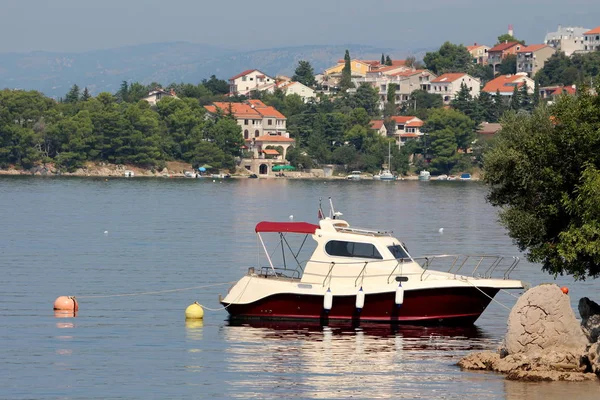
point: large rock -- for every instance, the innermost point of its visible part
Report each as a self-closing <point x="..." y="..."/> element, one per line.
<point x="544" y="341"/>
<point x="590" y="318"/>
<point x="542" y="320"/>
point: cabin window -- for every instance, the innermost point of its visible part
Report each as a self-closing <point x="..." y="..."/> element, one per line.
<point x="352" y="249"/>
<point x="398" y="252"/>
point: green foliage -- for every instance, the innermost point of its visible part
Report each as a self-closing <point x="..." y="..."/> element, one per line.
<point x="484" y="73"/>
<point x="421" y="103"/>
<point x="388" y="61"/>
<point x="305" y="74"/>
<point x="448" y="131"/>
<point x="465" y="103"/>
<point x="543" y="173"/>
<point x="449" y="58"/>
<point x="107" y="128"/>
<point x="346" y="79"/>
<point x="508" y="65"/>
<point x="216" y="86"/>
<point x="562" y="70"/>
<point x="508" y="38"/>
<point x="73" y="95"/>
<point x="515" y="100"/>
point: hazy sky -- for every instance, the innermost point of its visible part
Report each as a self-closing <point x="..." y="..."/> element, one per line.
<point x="76" y="25"/>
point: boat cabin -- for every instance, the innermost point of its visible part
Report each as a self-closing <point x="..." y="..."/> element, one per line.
<point x="341" y="253"/>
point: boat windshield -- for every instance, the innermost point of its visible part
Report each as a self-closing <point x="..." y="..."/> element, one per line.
<point x="398" y="252"/>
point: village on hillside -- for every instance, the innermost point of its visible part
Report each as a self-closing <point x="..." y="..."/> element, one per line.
<point x="383" y="117"/>
<point x="264" y="128"/>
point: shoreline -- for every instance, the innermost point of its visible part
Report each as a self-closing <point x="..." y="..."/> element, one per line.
<point x="176" y="169"/>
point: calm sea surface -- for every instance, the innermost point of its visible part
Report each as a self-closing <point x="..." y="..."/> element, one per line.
<point x="174" y="234"/>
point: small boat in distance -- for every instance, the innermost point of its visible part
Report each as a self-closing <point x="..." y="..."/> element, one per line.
<point x="354" y="176"/>
<point x="424" y="175"/>
<point x="385" y="174"/>
<point x="443" y="177"/>
<point x="362" y="275"/>
<point x="465" y="177"/>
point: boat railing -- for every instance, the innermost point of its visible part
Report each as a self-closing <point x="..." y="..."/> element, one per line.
<point x="277" y="272"/>
<point x="480" y="266"/>
<point x="329" y="274"/>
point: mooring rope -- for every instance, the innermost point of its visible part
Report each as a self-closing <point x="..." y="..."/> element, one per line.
<point x="227" y="306"/>
<point x="487" y="295"/>
<point x="154" y="292"/>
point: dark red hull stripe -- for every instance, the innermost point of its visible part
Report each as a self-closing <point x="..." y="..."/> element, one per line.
<point x="461" y="305"/>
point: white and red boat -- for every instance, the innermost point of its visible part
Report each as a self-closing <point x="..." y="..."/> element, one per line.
<point x="365" y="275"/>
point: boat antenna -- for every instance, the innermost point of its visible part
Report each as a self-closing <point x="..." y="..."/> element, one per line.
<point x="320" y="214"/>
<point x="332" y="213"/>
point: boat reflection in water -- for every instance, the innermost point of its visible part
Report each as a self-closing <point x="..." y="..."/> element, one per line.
<point x="371" y="360"/>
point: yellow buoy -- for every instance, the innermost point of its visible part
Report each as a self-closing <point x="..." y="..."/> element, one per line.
<point x="194" y="311"/>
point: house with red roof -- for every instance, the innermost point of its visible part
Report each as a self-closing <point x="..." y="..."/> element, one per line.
<point x="500" y="51"/>
<point x="505" y="84"/>
<point x="530" y="59"/>
<point x="448" y="85"/>
<point x="407" y="128"/>
<point x="248" y="81"/>
<point x="261" y="125"/>
<point x="591" y="40"/>
<point x="378" y="126"/>
<point x="550" y="93"/>
<point x="479" y="52"/>
<point x="154" y="96"/>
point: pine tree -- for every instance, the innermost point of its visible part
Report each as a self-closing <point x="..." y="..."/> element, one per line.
<point x="382" y="62"/>
<point x="499" y="106"/>
<point x="304" y="74"/>
<point x="487" y="107"/>
<point x="525" y="98"/>
<point x="123" y="93"/>
<point x="86" y="94"/>
<point x="346" y="80"/>
<point x="388" y="60"/>
<point x="73" y="95"/>
<point x="536" y="94"/>
<point x="515" y="101"/>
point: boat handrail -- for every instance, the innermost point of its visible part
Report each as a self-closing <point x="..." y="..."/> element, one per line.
<point x="398" y="264"/>
<point x="362" y="231"/>
<point x="329" y="274"/>
<point x="491" y="263"/>
<point x="273" y="271"/>
<point x="361" y="273"/>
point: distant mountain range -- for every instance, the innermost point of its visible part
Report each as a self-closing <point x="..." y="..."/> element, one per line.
<point x="54" y="73"/>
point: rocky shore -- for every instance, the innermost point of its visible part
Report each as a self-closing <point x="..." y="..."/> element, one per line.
<point x="545" y="341"/>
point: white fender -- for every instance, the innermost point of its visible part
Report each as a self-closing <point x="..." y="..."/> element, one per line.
<point x="360" y="299"/>
<point x="399" y="295"/>
<point x="328" y="300"/>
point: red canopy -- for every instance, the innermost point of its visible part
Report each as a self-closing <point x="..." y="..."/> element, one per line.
<point x="291" y="227"/>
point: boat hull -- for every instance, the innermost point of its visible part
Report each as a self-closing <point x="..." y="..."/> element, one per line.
<point x="448" y="306"/>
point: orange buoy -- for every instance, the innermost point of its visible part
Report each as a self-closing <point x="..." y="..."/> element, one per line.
<point x="66" y="303"/>
<point x="565" y="290"/>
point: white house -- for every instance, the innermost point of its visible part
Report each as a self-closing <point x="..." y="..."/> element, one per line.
<point x="591" y="40"/>
<point x="448" y="85"/>
<point x="568" y="39"/>
<point x="298" y="88"/>
<point x="248" y="81"/>
<point x="155" y="95"/>
<point x="505" y="84"/>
